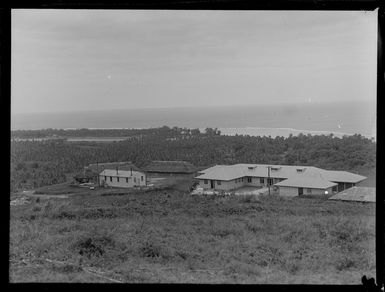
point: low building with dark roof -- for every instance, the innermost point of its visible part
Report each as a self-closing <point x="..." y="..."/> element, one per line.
<point x="298" y="186"/>
<point x="170" y="168"/>
<point x="124" y="165"/>
<point x="85" y="177"/>
<point x="91" y="172"/>
<point x="122" y="178"/>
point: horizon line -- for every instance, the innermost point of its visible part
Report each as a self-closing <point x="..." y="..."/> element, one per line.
<point x="304" y="103"/>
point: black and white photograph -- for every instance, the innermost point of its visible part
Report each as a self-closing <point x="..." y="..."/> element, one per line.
<point x="193" y="146"/>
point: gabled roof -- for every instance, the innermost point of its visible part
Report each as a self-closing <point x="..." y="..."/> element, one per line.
<point x="170" y="167"/>
<point x="223" y="172"/>
<point x="120" y="173"/>
<point x="306" y="182"/>
<point x="125" y="165"/>
<point x="230" y="172"/>
<point x="359" y="194"/>
<point x="203" y="170"/>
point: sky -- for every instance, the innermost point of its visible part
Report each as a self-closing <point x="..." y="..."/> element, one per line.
<point x="75" y="60"/>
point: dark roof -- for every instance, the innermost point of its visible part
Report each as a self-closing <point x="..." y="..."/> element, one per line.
<point x="306" y="182"/>
<point x="170" y="167"/>
<point x="359" y="194"/>
<point x="125" y="165"/>
<point x="85" y="175"/>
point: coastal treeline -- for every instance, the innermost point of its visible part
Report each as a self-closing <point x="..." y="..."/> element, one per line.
<point x="39" y="163"/>
<point x="165" y="132"/>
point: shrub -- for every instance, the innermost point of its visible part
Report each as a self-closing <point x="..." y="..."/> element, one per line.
<point x="234" y="210"/>
<point x="93" y="246"/>
<point x="344" y="263"/>
<point x="64" y="215"/>
<point x="67" y="269"/>
<point x="248" y="199"/>
<point x="152" y="250"/>
<point x="70" y="228"/>
<point x="36" y="209"/>
<point x="253" y="226"/>
<point x="98" y="213"/>
<point x="292" y="267"/>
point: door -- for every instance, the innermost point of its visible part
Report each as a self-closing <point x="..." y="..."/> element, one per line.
<point x="300" y="191"/>
<point x="212" y="183"/>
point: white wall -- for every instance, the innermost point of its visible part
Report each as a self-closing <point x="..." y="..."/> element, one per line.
<point x="256" y="182"/>
<point x="293" y="191"/>
<point x="317" y="191"/>
<point x="237" y="183"/>
<point x="225" y="185"/>
<point x="287" y="191"/>
<point x="134" y="180"/>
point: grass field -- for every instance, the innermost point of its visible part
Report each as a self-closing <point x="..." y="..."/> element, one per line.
<point x="169" y="236"/>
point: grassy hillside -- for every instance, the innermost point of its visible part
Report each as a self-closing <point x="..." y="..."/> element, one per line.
<point x="170" y="236"/>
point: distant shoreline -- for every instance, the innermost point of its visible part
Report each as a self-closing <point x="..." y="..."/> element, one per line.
<point x="274" y="132"/>
<point x="229" y="131"/>
<point x="283" y="120"/>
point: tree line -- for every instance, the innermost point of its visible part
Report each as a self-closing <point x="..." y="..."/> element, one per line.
<point x="39" y="163"/>
<point x="164" y="131"/>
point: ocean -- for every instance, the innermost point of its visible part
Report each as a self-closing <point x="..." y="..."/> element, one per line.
<point x="274" y="120"/>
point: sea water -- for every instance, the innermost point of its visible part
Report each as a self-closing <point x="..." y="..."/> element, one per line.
<point x="267" y="120"/>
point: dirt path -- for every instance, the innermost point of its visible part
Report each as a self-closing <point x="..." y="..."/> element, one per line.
<point x="48" y="196"/>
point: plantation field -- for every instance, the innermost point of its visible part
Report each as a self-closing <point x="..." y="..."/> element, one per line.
<point x="170" y="236"/>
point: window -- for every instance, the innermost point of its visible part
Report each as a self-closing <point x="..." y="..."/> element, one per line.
<point x="262" y="180"/>
<point x="249" y="179"/>
<point x="117" y="179"/>
<point x="110" y="178"/>
<point x="126" y="179"/>
<point x="205" y="182"/>
<point x="309" y="191"/>
<point x="141" y="178"/>
<point x="219" y="182"/>
<point x="270" y="181"/>
<point x="134" y="179"/>
<point x="105" y="177"/>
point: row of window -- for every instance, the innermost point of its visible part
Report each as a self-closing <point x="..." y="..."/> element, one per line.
<point x="218" y="182"/>
<point x="117" y="178"/>
<point x="238" y="180"/>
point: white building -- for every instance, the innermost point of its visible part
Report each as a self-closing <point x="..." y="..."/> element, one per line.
<point x="122" y="178"/>
<point x="287" y="179"/>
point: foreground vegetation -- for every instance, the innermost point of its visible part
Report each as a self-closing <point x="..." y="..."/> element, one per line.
<point x="39" y="163"/>
<point x="169" y="236"/>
